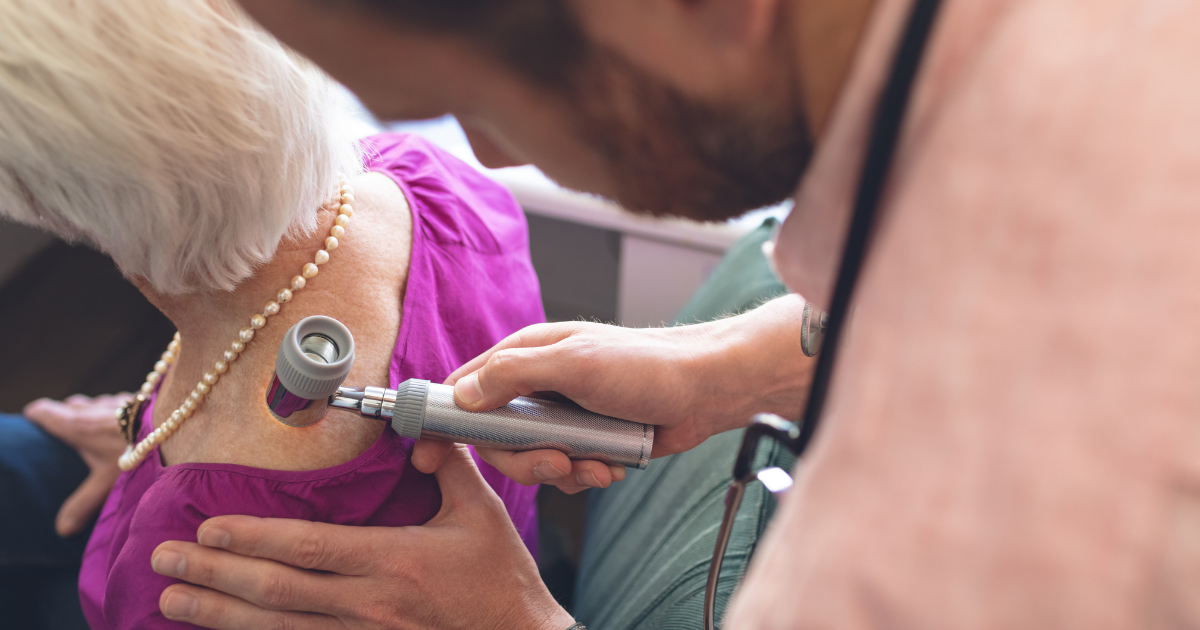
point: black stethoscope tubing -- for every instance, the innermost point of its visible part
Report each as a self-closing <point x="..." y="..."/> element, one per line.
<point x="885" y="134"/>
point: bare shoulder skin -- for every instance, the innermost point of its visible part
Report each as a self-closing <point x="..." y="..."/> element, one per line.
<point x="362" y="286"/>
<point x="1012" y="437"/>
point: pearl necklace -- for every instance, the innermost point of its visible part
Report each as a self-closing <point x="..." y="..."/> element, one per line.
<point x="128" y="415"/>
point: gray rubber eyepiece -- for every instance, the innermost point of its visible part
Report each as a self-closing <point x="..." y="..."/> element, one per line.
<point x="315" y="357"/>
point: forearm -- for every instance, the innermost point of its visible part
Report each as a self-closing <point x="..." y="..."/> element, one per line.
<point x="753" y="364"/>
<point x="691" y="381"/>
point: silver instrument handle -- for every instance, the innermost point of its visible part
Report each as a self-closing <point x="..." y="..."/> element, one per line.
<point x="527" y="424"/>
<point x="420" y="409"/>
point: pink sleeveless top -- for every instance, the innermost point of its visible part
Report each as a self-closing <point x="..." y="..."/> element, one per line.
<point x="470" y="284"/>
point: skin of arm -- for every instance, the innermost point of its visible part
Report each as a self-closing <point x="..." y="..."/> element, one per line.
<point x="1011" y="439"/>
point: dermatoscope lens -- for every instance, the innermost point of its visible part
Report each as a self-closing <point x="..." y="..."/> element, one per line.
<point x="314" y="358"/>
<point x="320" y="348"/>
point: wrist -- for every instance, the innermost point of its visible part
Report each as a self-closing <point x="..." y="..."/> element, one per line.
<point x="536" y="610"/>
<point x="556" y="618"/>
<point x="761" y="352"/>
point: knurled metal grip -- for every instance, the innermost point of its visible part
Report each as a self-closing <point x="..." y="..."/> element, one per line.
<point x="427" y="410"/>
<point x="408" y="407"/>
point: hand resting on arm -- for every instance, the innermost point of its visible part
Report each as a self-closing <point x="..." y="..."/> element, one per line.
<point x="88" y="426"/>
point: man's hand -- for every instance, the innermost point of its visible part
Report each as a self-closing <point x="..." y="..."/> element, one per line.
<point x="466" y="568"/>
<point x="88" y="426"/>
<point x="691" y="381"/>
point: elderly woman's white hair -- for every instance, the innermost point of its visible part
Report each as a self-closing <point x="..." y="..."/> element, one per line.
<point x="174" y="135"/>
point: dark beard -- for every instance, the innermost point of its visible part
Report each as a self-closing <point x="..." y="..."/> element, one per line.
<point x="671" y="155"/>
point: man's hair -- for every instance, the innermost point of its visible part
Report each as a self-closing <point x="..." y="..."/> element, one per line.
<point x="540" y="39"/>
<point x="175" y="136"/>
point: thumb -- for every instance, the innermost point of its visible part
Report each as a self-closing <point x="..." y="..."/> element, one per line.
<point x="515" y="372"/>
<point x="79" y="508"/>
<point x="428" y="455"/>
<point x="462" y="485"/>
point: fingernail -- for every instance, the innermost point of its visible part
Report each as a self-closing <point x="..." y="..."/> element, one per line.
<point x="213" y="537"/>
<point x="180" y="605"/>
<point x="467" y="389"/>
<point x="546" y="471"/>
<point x="169" y="563"/>
<point x="587" y="478"/>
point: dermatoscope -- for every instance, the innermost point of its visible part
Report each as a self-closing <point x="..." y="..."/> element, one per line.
<point x="315" y="358"/>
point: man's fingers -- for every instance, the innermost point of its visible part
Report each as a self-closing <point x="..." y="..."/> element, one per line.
<point x="303" y="544"/>
<point x="79" y="508"/>
<point x="589" y="474"/>
<point x="592" y="474"/>
<point x="530" y="467"/>
<point x="265" y="583"/>
<point x="552" y="468"/>
<point x="528" y="337"/>
<point x="428" y="455"/>
<point x="516" y="372"/>
<point x="212" y="609"/>
<point x="618" y="472"/>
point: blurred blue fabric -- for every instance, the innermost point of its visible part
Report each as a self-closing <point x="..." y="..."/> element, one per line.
<point x="38" y="570"/>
